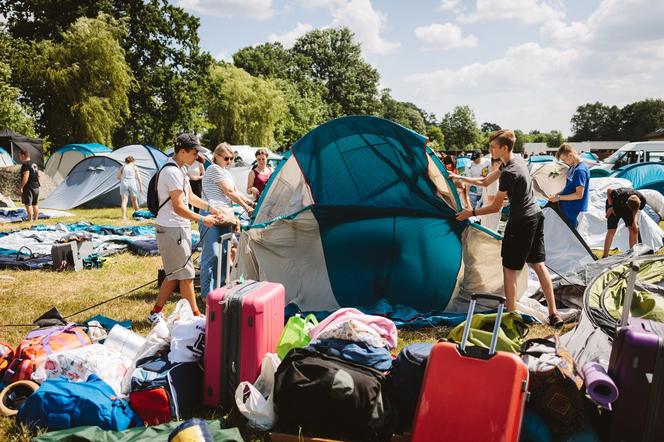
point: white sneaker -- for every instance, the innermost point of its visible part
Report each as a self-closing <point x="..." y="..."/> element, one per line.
<point x="156" y="317"/>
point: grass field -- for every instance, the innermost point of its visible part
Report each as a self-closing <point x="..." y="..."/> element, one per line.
<point x="25" y="295"/>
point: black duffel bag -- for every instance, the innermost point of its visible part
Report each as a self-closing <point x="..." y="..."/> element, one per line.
<point x="321" y="395"/>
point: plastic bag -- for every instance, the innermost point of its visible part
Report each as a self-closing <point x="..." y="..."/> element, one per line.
<point x="256" y="403"/>
<point x="296" y="333"/>
<point x="187" y="334"/>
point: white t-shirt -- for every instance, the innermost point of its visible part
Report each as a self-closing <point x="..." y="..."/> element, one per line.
<point x="194" y="171"/>
<point x="128" y="172"/>
<point x="478" y="171"/>
<point x="170" y="179"/>
<point x="491" y="220"/>
<point x="212" y="193"/>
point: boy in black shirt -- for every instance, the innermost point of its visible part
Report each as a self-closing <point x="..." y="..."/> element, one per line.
<point x="29" y="187"/>
<point x="523" y="241"/>
<point x="622" y="203"/>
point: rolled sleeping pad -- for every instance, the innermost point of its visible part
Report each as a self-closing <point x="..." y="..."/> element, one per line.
<point x="599" y="386"/>
<point x="13" y="396"/>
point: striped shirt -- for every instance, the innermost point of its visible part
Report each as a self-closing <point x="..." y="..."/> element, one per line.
<point x="212" y="193"/>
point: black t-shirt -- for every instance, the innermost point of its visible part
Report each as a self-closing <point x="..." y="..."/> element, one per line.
<point x="515" y="181"/>
<point x="33" y="177"/>
<point x="619" y="199"/>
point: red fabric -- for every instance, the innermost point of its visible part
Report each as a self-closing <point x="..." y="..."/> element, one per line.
<point x="153" y="406"/>
<point x="260" y="179"/>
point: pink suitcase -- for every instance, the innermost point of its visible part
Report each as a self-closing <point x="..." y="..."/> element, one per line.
<point x="244" y="321"/>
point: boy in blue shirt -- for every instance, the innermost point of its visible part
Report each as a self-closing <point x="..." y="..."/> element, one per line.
<point x="573" y="199"/>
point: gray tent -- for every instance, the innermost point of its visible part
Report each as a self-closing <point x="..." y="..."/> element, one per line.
<point x="93" y="183"/>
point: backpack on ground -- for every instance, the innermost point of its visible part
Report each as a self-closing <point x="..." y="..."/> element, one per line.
<point x="328" y="396"/>
<point x="40" y="343"/>
<point x="153" y="196"/>
<point x="406" y="380"/>
<point x="60" y="403"/>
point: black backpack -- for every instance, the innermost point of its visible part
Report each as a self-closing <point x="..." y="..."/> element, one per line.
<point x="327" y="396"/>
<point x="153" y="197"/>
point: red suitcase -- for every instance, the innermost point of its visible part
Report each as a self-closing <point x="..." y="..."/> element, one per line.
<point x="244" y="321"/>
<point x="471" y="394"/>
<point x="637" y="368"/>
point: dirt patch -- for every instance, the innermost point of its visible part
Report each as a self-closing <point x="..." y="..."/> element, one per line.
<point x="10" y="179"/>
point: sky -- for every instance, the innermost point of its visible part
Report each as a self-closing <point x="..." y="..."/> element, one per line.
<point x="522" y="64"/>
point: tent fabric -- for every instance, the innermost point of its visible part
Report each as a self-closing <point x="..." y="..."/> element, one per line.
<point x="641" y="174"/>
<point x="14" y="142"/>
<point x="6" y="159"/>
<point x="654" y="185"/>
<point x="541" y="159"/>
<point x="549" y="179"/>
<point x="92" y="182"/>
<point x="655" y="200"/>
<point x="565" y="249"/>
<point x="62" y="160"/>
<point x="592" y="224"/>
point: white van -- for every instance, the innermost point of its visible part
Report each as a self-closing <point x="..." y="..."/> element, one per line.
<point x="630" y="153"/>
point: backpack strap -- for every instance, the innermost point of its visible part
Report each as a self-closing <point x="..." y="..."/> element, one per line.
<point x="157" y="184"/>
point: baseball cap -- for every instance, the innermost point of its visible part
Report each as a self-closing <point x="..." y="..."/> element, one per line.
<point x="189" y="140"/>
<point x="476" y="154"/>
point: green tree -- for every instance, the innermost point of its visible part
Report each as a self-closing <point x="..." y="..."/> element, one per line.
<point x="13" y="114"/>
<point x="520" y="139"/>
<point x="268" y="60"/>
<point x="333" y="58"/>
<point x="489" y="127"/>
<point x="86" y="79"/>
<point x="640" y="118"/>
<point x="162" y="49"/>
<point x="460" y="129"/>
<point x="555" y="139"/>
<point x="304" y="112"/>
<point x="436" y="137"/>
<point x="242" y="109"/>
<point x="406" y="114"/>
<point x="595" y="122"/>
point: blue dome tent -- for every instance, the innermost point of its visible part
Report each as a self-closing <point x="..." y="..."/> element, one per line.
<point x="642" y="175"/>
<point x="62" y="160"/>
<point x="361" y="210"/>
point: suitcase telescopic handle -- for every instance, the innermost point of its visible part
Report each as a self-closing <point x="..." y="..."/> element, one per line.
<point x="220" y="240"/>
<point x="634" y="268"/>
<point x="496" y="326"/>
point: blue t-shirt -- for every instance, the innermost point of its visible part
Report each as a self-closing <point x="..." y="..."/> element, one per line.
<point x="576" y="176"/>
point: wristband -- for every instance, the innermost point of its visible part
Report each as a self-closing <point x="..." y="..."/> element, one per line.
<point x="474" y="214"/>
<point x="208" y="208"/>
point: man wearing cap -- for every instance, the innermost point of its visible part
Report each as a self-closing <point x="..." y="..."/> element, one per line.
<point x="174" y="223"/>
<point x="479" y="168"/>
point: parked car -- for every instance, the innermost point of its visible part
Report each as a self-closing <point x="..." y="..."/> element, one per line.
<point x="630" y="153"/>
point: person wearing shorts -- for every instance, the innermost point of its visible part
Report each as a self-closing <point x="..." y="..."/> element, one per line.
<point x="523" y="241"/>
<point x="29" y="187"/>
<point x="622" y="203"/>
<point x="130" y="185"/>
<point x="174" y="224"/>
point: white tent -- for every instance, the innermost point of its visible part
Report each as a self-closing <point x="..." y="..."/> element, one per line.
<point x="93" y="182"/>
<point x="61" y="162"/>
<point x="5" y="158"/>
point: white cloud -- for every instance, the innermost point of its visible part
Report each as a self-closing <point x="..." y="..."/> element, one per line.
<point x="221" y="56"/>
<point x="525" y="11"/>
<point x="444" y="36"/>
<point x="256" y="9"/>
<point x="288" y="38"/>
<point x="448" y="5"/>
<point x="559" y="33"/>
<point x="360" y="17"/>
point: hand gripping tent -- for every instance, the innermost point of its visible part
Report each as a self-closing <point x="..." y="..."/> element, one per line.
<point x="360" y="209"/>
<point x="61" y="161"/>
<point x="92" y="182"/>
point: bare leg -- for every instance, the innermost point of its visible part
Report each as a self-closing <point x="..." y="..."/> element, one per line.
<point x="28" y="209"/>
<point x="608" y="240"/>
<point x="509" y="281"/>
<point x="134" y="203"/>
<point x="165" y="291"/>
<point x="633" y="237"/>
<point x="35" y="212"/>
<point x="546" y="284"/>
<point x="123" y="205"/>
<point x="187" y="292"/>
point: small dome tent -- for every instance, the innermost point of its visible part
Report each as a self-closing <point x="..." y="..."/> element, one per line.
<point x="65" y="158"/>
<point x="361" y="210"/>
<point x="642" y="175"/>
<point x="93" y="183"/>
<point x="5" y="158"/>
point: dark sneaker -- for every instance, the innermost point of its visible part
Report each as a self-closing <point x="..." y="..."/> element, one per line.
<point x="555" y="320"/>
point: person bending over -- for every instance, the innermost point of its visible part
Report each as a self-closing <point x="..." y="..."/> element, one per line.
<point x="622" y="203"/>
